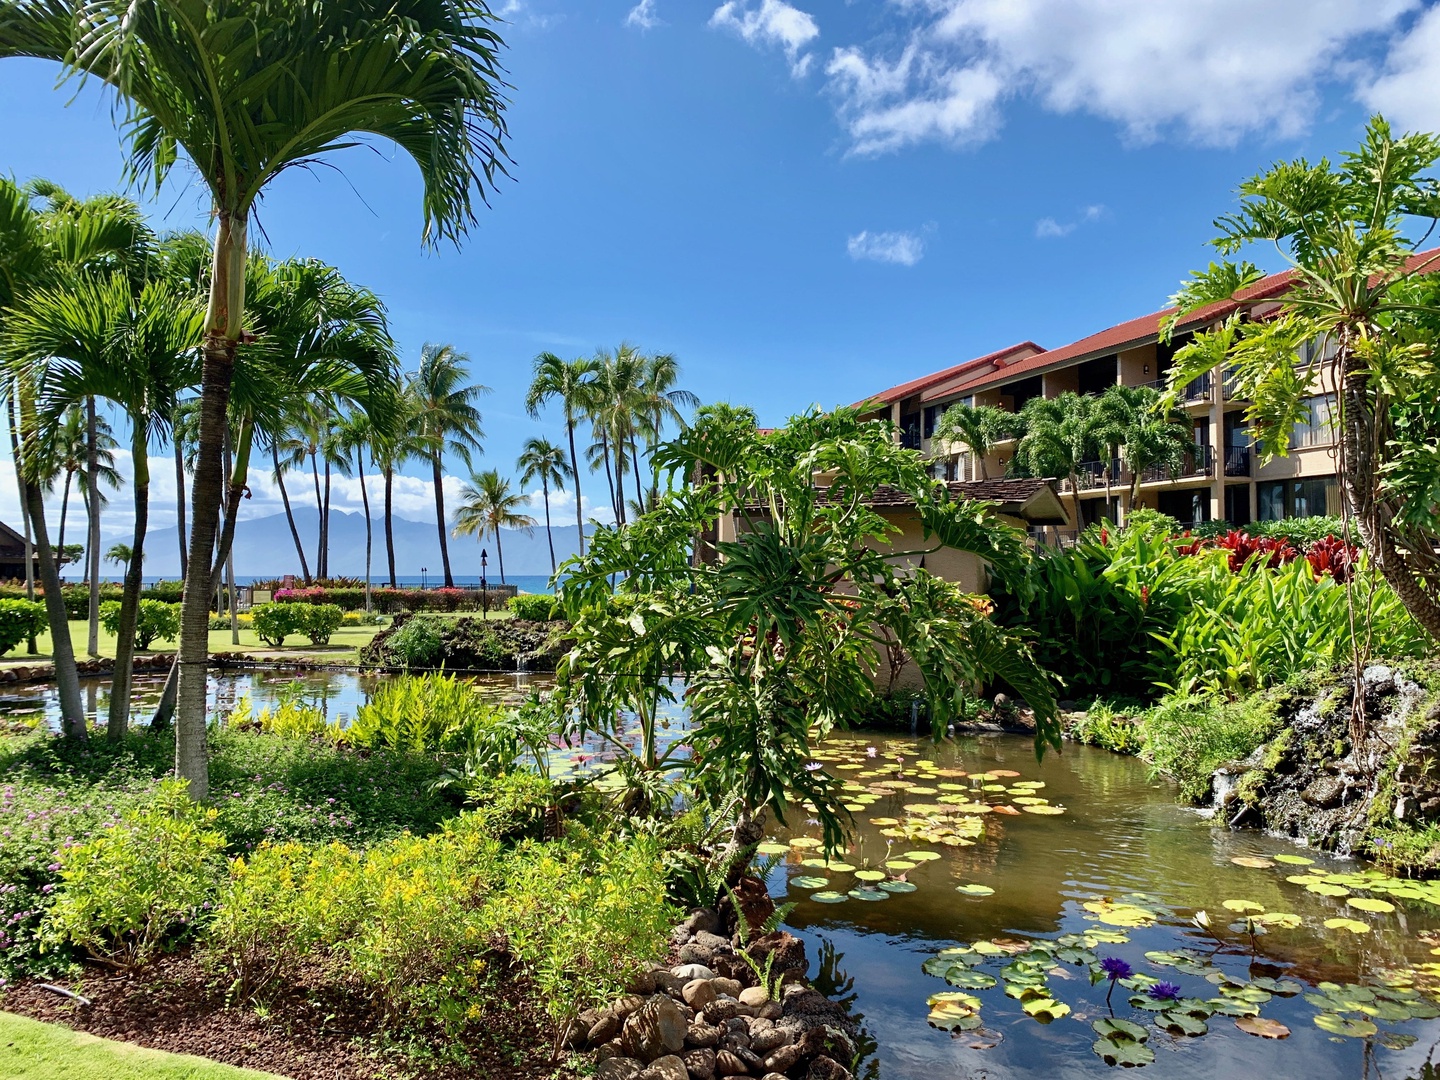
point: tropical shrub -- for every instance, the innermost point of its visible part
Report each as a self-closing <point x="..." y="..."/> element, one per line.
<point x="417" y="644"/>
<point x="127" y="891"/>
<point x="77" y="598"/>
<point x="275" y="622"/>
<point x="154" y="620"/>
<point x="1102" y="725"/>
<point x="1188" y="738"/>
<point x="320" y="621"/>
<point x="427" y="713"/>
<point x="19" y="620"/>
<point x="538" y="607"/>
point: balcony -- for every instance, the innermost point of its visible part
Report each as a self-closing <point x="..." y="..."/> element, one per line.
<point x="1196" y="466"/>
<point x="1192" y="393"/>
<point x="1238" y="461"/>
<point x="1229" y="386"/>
<point x="1091" y="475"/>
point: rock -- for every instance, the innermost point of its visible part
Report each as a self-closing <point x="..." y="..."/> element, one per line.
<point x="654" y="1030"/>
<point x="784" y="1059"/>
<point x="771" y="1010"/>
<point x="728" y="1064"/>
<point x="701" y="920"/>
<point x="1324" y="791"/>
<point x="767" y="1040"/>
<point x="668" y="1067"/>
<point x="618" y="1068"/>
<point x="774" y="1076"/>
<point x="690" y="953"/>
<point x="609" y="1050"/>
<point x="626" y="1005"/>
<point x="700" y="1064"/>
<point x="787" y="949"/>
<point x="754" y="996"/>
<point x="827" y="1068"/>
<point x="714" y="942"/>
<point x="1378" y="679"/>
<point x="702" y="1035"/>
<point x="727" y="987"/>
<point x="690" y="972"/>
<point x="725" y="1008"/>
<point x="668" y="982"/>
<point x="604" y="1029"/>
<point x="735" y="1040"/>
<point x="642" y="984"/>
<point x="698" y="993"/>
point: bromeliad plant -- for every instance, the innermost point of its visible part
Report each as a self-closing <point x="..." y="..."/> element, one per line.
<point x="779" y="633"/>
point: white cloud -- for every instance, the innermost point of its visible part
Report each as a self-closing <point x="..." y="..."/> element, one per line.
<point x="1406" y="90"/>
<point x="774" y="22"/>
<point x="899" y="248"/>
<point x="642" y="16"/>
<point x="1208" y="70"/>
<point x="1047" y="228"/>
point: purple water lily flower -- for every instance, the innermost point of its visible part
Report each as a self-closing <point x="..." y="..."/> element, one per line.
<point x="1164" y="991"/>
<point x="1116" y="968"/>
<point x="813" y="766"/>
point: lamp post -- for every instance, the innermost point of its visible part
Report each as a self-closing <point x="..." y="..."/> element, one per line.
<point x="484" y="595"/>
<point x="423" y="571"/>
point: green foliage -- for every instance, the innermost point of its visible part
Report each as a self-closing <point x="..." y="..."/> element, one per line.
<point x="127" y="891"/>
<point x="1188" y="738"/>
<point x="1406" y="849"/>
<point x="77" y="599"/>
<point x="1301" y="532"/>
<point x="19" y="620"/>
<point x="427" y="713"/>
<point x="154" y="620"/>
<point x="417" y="644"/>
<point x="321" y="621"/>
<point x="274" y="622"/>
<point x="540" y="607"/>
<point x="1103" y="726"/>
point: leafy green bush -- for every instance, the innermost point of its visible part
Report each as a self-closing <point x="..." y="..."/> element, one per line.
<point x="424" y="713"/>
<point x="77" y="598"/>
<point x="321" y="621"/>
<point x="538" y="607"/>
<point x="1188" y="738"/>
<point x="273" y="623"/>
<point x="19" y="619"/>
<point x="1103" y="726"/>
<point x="128" y="890"/>
<point x="417" y="644"/>
<point x="154" y="620"/>
<point x="172" y="592"/>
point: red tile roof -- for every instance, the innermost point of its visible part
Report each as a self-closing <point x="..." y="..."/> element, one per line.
<point x="915" y="386"/>
<point x="985" y="372"/>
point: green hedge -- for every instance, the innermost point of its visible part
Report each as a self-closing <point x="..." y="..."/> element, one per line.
<point x="154" y="619"/>
<point x="538" y="607"/>
<point x="19" y="619"/>
<point x="273" y="623"/>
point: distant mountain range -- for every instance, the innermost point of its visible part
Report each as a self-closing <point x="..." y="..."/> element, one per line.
<point x="264" y="548"/>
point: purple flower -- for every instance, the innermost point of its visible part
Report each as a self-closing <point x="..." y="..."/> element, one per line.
<point x="1164" y="991"/>
<point x="813" y="766"/>
<point x="1116" y="968"/>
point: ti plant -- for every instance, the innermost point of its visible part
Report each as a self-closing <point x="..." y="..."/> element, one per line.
<point x="777" y="633"/>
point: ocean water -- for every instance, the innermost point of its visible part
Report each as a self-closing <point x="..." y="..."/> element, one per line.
<point x="526" y="583"/>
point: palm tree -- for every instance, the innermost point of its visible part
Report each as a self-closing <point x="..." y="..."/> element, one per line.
<point x="120" y="554"/>
<point x="246" y="90"/>
<point x="542" y="460"/>
<point x="977" y="428"/>
<point x="614" y="412"/>
<point x="1061" y="434"/>
<point x="658" y="402"/>
<point x="98" y="337"/>
<point x="355" y="435"/>
<point x="1135" y="422"/>
<point x="67" y="456"/>
<point x="488" y="505"/>
<point x="445" y="419"/>
<point x="572" y="381"/>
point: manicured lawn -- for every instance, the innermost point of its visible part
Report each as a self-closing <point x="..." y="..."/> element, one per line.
<point x="344" y="645"/>
<point x="30" y="1050"/>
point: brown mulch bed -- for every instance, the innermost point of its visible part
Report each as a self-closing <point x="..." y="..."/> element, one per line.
<point x="318" y="1031"/>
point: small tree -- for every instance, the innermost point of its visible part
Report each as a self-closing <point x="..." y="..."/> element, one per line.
<point x="977" y="428"/>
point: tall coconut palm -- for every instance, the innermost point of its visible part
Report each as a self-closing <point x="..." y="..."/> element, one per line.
<point x="1061" y="434"/>
<point x="572" y="381"/>
<point x="658" y="402"/>
<point x="247" y="89"/>
<point x="977" y="428"/>
<point x="446" y="418"/>
<point x="97" y="337"/>
<point x="1134" y="421"/>
<point x="542" y="460"/>
<point x="354" y="437"/>
<point x="67" y="459"/>
<point x="487" y="505"/>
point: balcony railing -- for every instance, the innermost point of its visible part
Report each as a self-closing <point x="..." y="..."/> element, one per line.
<point x="1237" y="461"/>
<point x="1199" y="464"/>
<point x="1193" y="392"/>
<point x="1091" y="475"/>
<point x="1229" y="385"/>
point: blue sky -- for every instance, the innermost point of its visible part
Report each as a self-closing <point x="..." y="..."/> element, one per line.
<point x="808" y="201"/>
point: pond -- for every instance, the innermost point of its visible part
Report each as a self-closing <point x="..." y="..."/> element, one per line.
<point x="1006" y="910"/>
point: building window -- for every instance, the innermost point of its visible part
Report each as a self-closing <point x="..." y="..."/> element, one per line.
<point x="932" y="417"/>
<point x="1280" y="499"/>
<point x="1237" y="504"/>
<point x="910" y="431"/>
<point x="1318" y="429"/>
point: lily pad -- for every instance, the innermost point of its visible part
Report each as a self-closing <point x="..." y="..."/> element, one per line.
<point x="1124" y="1052"/>
<point x="1115" y="1028"/>
<point x="869" y="875"/>
<point x="975" y="890"/>
<point x="808" y="881"/>
<point x="900" y="865"/>
<point x="864" y="893"/>
<point x="1294" y="860"/>
<point x="1179" y="1023"/>
<point x="1341" y="1025"/>
<point x="961" y="976"/>
<point x="804" y="842"/>
<point x="1045" y="1009"/>
<point x="1370" y="903"/>
<point x="884" y="821"/>
<point x="1045" y="811"/>
<point x="1263" y="1027"/>
<point x="839" y="867"/>
<point x="897" y="886"/>
<point x="772" y="848"/>
<point x="1322" y="888"/>
<point x="921" y="856"/>
<point x="1252" y="861"/>
<point x="1243" y="906"/>
<point x="829" y="897"/>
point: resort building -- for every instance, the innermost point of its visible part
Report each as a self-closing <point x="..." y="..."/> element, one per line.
<point x="1222" y="480"/>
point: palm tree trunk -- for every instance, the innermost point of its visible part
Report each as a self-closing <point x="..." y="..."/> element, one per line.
<point x="92" y="463"/>
<point x="325" y="528"/>
<point x="619" y="449"/>
<point x="118" y="721"/>
<point x="500" y="554"/>
<point x="31" y="647"/>
<point x="64" y="509"/>
<point x="67" y="676"/>
<point x="289" y="514"/>
<point x="319" y="520"/>
<point x="389" y="523"/>
<point x="180" y="500"/>
<point x="223" y="323"/>
<point x="365" y="505"/>
<point x="575" y="472"/>
<point x="550" y="536"/>
<point x="440" y="519"/>
<point x="635" y="460"/>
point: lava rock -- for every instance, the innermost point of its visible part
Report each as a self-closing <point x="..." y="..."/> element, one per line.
<point x="618" y="1068"/>
<point x="827" y="1068"/>
<point x="1324" y="791"/>
<point x="698" y="993"/>
<point x="654" y="1030"/>
<point x="669" y="1067"/>
<point x="700" y="1064"/>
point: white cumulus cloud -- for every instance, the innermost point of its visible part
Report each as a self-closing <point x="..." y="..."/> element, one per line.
<point x="642" y="16"/>
<point x="1209" y="71"/>
<point x="1407" y="90"/>
<point x="773" y="23"/>
<point x="898" y="248"/>
<point x="1047" y="228"/>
